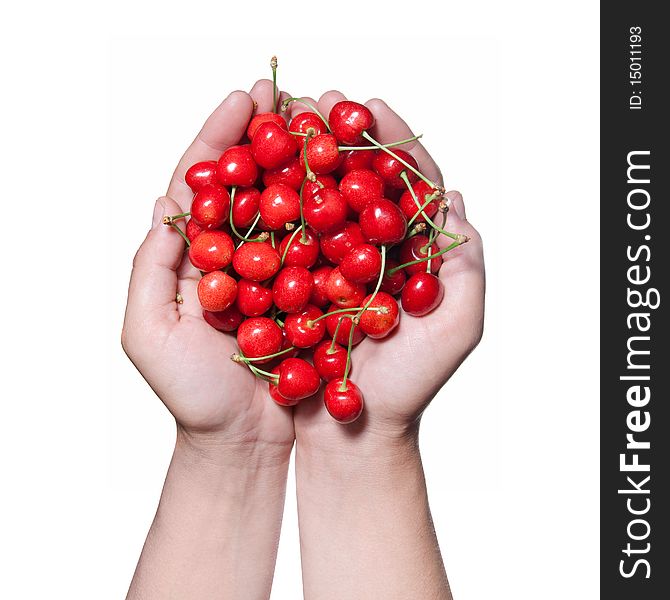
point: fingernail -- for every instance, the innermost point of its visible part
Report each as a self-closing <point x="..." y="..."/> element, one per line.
<point x="159" y="212"/>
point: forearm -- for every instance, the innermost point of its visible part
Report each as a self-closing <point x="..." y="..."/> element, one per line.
<point x="217" y="527"/>
<point x="365" y="524"/>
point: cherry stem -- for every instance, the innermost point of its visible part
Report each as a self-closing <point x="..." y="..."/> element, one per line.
<point x="311" y="322"/>
<point x="244" y="359"/>
<point x="337" y="330"/>
<point x="290" y="241"/>
<point x="390" y="145"/>
<point x="169" y="219"/>
<point x="366" y="306"/>
<point x="264" y="375"/>
<point x="430" y="221"/>
<point x="180" y="232"/>
<point x="462" y="239"/>
<point x="245" y="238"/>
<point x="347" y="366"/>
<point x="273" y="66"/>
<point x="306" y="103"/>
<point x="302" y="215"/>
<point x="418" y="173"/>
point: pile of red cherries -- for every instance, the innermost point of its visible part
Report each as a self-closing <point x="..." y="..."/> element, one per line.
<point x="308" y="235"/>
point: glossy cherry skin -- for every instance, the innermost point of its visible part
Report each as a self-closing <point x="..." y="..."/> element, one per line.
<point x="193" y="230"/>
<point x="245" y="206"/>
<point x="292" y="289"/>
<point x="330" y="366"/>
<point x="393" y="284"/>
<point x="272" y="146"/>
<point x="421" y="294"/>
<point x="323" y="155"/>
<point x="297" y="379"/>
<point x="299" y="329"/>
<point x="300" y="254"/>
<point x="382" y="222"/>
<point x="225" y="320"/>
<point x="211" y="250"/>
<point x="378" y="324"/>
<point x="408" y="206"/>
<point x="311" y="188"/>
<point x="210" y="206"/>
<point x="274" y="392"/>
<point x="337" y="244"/>
<point x="291" y="174"/>
<point x="362" y="264"/>
<point x="236" y="166"/>
<point x="279" y="205"/>
<point x="325" y="211"/>
<point x="360" y="187"/>
<point x="389" y="168"/>
<point x="256" y="261"/>
<point x="413" y="249"/>
<point x="354" y="159"/>
<point x="344" y="330"/>
<point x="200" y="174"/>
<point x="259" y="336"/>
<point x="343" y="292"/>
<point x="253" y="299"/>
<point x="344" y="406"/>
<point x="319" y="296"/>
<point x="348" y="120"/>
<point x="216" y="291"/>
<point x="303" y="121"/>
<point x="259" y="119"/>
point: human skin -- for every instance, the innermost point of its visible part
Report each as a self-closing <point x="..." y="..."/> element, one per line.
<point x="362" y="500"/>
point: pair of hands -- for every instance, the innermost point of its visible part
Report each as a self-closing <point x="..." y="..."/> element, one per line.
<point x="215" y="401"/>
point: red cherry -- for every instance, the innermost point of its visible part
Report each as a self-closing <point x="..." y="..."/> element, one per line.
<point x="311" y="188"/>
<point x="237" y="167"/>
<point x="285" y="345"/>
<point x="342" y="292"/>
<point x="193" y="230"/>
<point x="259" y="336"/>
<point x="414" y="249"/>
<point x="345" y="328"/>
<point x="354" y="159"/>
<point x="300" y="332"/>
<point x="382" y="222"/>
<point x="297" y="379"/>
<point x="300" y="254"/>
<point x="225" y="320"/>
<point x="393" y="284"/>
<point x="330" y="366"/>
<point x="362" y="264"/>
<point x="274" y="392"/>
<point x="291" y="174"/>
<point x="422" y="191"/>
<point x="348" y="120"/>
<point x="292" y="289"/>
<point x="279" y="205"/>
<point x="256" y="261"/>
<point x="210" y="206"/>
<point x="211" y="250"/>
<point x="200" y="174"/>
<point x="323" y="155"/>
<point x="378" y="324"/>
<point x="319" y="296"/>
<point x="389" y="168"/>
<point x="259" y="119"/>
<point x="252" y="298"/>
<point x="360" y="187"/>
<point x="216" y="291"/>
<point x="422" y="293"/>
<point x="325" y="211"/>
<point x="335" y="245"/>
<point x="303" y="121"/>
<point x="245" y="206"/>
<point x="344" y="406"/>
<point x="272" y="146"/>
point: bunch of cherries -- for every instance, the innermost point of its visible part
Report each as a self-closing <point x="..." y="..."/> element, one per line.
<point x="306" y="235"/>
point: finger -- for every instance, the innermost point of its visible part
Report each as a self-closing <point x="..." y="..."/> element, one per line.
<point x="153" y="282"/>
<point x="261" y="94"/>
<point x="284" y="113"/>
<point x="187" y="286"/>
<point x="328" y="100"/>
<point x="455" y="200"/>
<point x="299" y="107"/>
<point x="389" y="127"/>
<point x="224" y="128"/>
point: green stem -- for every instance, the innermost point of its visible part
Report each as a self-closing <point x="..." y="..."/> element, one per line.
<point x="167" y="220"/>
<point x="264" y="375"/>
<point x="458" y="242"/>
<point x="245" y="238"/>
<point x="268" y="357"/>
<point x="391" y="145"/>
<point x="366" y="306"/>
<point x="347" y="366"/>
<point x="418" y="173"/>
<point x="306" y="103"/>
<point x="273" y="66"/>
<point x="290" y="241"/>
<point x="337" y="330"/>
<point x="302" y="215"/>
<point x="337" y="312"/>
<point x="180" y="232"/>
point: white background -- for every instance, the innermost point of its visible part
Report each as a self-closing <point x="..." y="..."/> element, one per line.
<point x="99" y="104"/>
